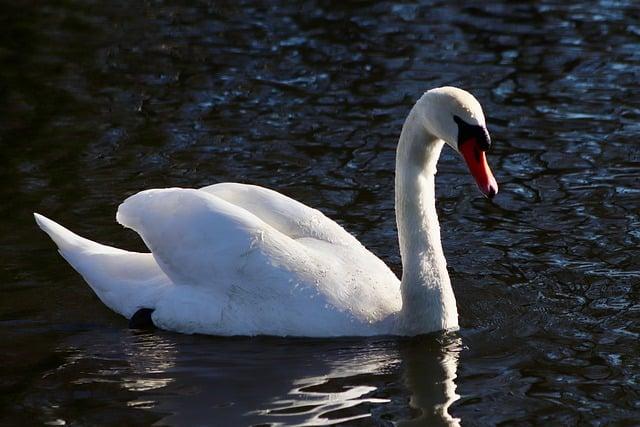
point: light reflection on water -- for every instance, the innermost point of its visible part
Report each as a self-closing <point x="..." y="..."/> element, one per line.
<point x="193" y="380"/>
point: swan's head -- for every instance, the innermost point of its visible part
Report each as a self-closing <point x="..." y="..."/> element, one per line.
<point x="456" y="117"/>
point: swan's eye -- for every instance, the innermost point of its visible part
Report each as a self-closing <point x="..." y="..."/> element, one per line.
<point x="468" y="131"/>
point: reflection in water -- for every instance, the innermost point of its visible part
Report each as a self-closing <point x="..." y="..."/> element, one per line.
<point x="327" y="398"/>
<point x="150" y="357"/>
<point x="192" y="380"/>
<point x="431" y="380"/>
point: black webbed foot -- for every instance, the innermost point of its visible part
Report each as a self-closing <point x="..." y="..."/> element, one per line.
<point x="141" y="319"/>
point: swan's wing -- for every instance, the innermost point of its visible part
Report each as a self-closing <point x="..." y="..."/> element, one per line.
<point x="261" y="280"/>
<point x="310" y="228"/>
<point x="202" y="240"/>
<point x="283" y="213"/>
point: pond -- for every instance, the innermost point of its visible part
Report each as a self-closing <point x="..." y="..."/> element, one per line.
<point x="103" y="99"/>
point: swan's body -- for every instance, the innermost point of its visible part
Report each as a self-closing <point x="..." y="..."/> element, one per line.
<point x="235" y="259"/>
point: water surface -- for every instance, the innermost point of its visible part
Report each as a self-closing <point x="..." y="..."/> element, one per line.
<point x="102" y="99"/>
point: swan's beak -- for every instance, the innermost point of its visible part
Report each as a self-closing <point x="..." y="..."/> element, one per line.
<point x="479" y="168"/>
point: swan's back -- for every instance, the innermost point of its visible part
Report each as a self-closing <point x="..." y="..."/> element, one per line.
<point x="283" y="213"/>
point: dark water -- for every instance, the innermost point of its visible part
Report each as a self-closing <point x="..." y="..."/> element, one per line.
<point x="100" y="100"/>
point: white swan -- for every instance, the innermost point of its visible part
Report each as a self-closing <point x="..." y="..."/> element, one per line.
<point x="236" y="259"/>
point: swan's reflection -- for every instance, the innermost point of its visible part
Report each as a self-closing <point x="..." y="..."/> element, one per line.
<point x="430" y="372"/>
<point x="347" y="387"/>
<point x="151" y="358"/>
<point x="195" y="380"/>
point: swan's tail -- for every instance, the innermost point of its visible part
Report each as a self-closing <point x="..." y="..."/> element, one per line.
<point x="67" y="241"/>
<point x="125" y="281"/>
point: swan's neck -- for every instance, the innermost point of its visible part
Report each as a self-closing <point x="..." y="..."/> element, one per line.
<point x="428" y="300"/>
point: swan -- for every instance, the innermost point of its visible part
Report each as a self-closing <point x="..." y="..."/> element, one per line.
<point x="238" y="259"/>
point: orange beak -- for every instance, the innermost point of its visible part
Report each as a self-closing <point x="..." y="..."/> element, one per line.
<point x="479" y="168"/>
